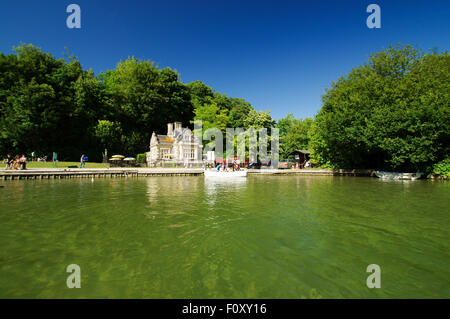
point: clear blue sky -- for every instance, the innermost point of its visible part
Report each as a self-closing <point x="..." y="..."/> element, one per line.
<point x="278" y="55"/>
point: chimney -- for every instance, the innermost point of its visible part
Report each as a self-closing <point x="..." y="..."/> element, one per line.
<point x="178" y="126"/>
<point x="170" y="130"/>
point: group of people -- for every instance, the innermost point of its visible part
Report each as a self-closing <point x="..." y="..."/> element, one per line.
<point x="16" y="162"/>
<point x="235" y="166"/>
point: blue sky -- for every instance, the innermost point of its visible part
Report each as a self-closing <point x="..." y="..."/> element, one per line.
<point x="278" y="55"/>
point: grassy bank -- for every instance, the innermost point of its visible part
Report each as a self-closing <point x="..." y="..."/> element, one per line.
<point x="65" y="165"/>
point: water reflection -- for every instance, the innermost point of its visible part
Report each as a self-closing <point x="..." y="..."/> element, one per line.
<point x="214" y="187"/>
<point x="162" y="188"/>
<point x="191" y="237"/>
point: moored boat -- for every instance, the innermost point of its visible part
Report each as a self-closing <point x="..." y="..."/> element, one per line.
<point x="226" y="174"/>
<point x="397" y="175"/>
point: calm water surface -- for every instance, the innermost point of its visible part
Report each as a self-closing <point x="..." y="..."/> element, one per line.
<point x="187" y="237"/>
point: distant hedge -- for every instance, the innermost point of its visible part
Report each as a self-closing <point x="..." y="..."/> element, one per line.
<point x="141" y="158"/>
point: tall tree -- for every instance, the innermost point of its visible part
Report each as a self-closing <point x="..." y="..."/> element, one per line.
<point x="391" y="113"/>
<point x="294" y="134"/>
<point x="144" y="98"/>
<point x="37" y="101"/>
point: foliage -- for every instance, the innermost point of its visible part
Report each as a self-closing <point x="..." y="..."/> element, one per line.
<point x="37" y="103"/>
<point x="392" y="113"/>
<point x="49" y="104"/>
<point x="257" y="119"/>
<point x="141" y="158"/>
<point x="442" y="169"/>
<point x="295" y="134"/>
<point x="108" y="134"/>
<point x="219" y="111"/>
<point x="211" y="115"/>
<point x="143" y="98"/>
<point x="200" y="91"/>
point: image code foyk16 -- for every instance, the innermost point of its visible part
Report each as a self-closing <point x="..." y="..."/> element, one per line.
<point x="224" y="156"/>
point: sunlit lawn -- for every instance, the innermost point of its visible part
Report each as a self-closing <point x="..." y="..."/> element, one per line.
<point x="65" y="165"/>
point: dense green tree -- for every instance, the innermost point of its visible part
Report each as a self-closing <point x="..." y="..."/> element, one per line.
<point x="219" y="111"/>
<point x="211" y="115"/>
<point x="49" y="104"/>
<point x="285" y="123"/>
<point x="257" y="119"/>
<point x="391" y="113"/>
<point x="232" y="111"/>
<point x="238" y="109"/>
<point x="143" y="99"/>
<point x="109" y="135"/>
<point x="37" y="101"/>
<point x="294" y="134"/>
<point x="200" y="91"/>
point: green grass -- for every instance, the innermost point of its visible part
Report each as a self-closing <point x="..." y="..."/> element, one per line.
<point x="65" y="165"/>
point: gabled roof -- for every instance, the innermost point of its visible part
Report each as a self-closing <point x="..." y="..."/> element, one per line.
<point x="179" y="134"/>
<point x="164" y="139"/>
<point x="306" y="152"/>
<point x="177" y="137"/>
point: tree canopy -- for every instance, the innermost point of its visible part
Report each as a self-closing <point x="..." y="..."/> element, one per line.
<point x="295" y="134"/>
<point x="49" y="104"/>
<point x="392" y="113"/>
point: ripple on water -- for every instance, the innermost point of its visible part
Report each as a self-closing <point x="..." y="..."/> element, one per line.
<point x="260" y="237"/>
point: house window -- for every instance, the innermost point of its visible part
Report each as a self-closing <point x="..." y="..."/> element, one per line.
<point x="165" y="152"/>
<point x="189" y="153"/>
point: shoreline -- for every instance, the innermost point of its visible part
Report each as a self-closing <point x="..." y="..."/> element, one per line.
<point x="60" y="173"/>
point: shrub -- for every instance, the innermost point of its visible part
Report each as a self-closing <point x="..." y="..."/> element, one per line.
<point x="442" y="169"/>
<point x="141" y="158"/>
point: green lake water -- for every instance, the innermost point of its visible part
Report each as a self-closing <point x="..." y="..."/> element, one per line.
<point x="260" y="237"/>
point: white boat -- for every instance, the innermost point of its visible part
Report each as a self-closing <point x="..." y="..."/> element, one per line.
<point x="226" y="174"/>
<point x="397" y="175"/>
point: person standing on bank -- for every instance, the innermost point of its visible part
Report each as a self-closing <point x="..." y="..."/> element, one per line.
<point x="15" y="164"/>
<point x="8" y="160"/>
<point x="82" y="161"/>
<point x="23" y="162"/>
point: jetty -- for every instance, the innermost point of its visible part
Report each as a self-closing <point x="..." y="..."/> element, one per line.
<point x="60" y="173"/>
<point x="313" y="171"/>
